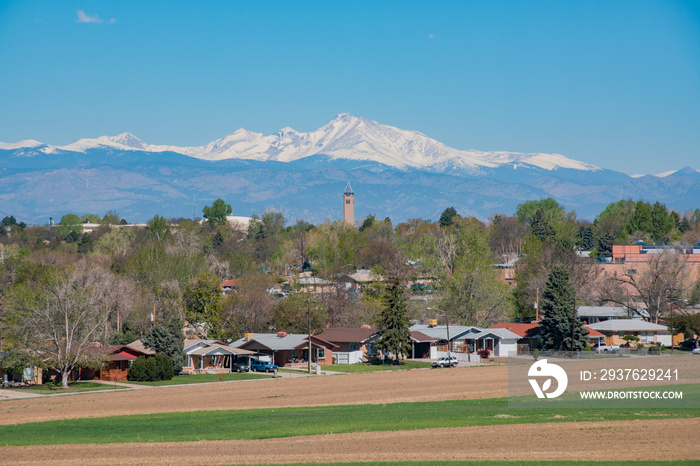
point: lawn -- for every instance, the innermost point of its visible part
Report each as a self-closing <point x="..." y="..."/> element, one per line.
<point x="290" y="422"/>
<point x="75" y="387"/>
<point x="374" y="366"/>
<point x="205" y="378"/>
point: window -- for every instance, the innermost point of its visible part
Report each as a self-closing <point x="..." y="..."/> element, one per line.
<point x="353" y="346"/>
<point x="320" y="353"/>
<point x="347" y="201"/>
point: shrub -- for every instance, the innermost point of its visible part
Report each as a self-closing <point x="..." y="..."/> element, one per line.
<point x="151" y="369"/>
<point x="165" y="366"/>
<point x="484" y="353"/>
<point x="535" y="354"/>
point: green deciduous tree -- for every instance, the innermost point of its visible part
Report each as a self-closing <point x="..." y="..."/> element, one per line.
<point x="202" y="298"/>
<point x="217" y="212"/>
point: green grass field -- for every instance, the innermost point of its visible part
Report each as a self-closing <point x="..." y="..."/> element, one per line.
<point x="75" y="387"/>
<point x="204" y="378"/>
<point x="290" y="422"/>
<point x="373" y="366"/>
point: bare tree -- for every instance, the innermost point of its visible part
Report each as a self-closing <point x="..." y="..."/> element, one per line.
<point x="61" y="316"/>
<point x="655" y="285"/>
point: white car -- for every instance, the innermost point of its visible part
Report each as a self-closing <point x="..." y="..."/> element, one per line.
<point x="696" y="350"/>
<point x="444" y="362"/>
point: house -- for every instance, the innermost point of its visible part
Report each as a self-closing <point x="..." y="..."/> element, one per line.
<point x="284" y="348"/>
<point x="648" y="333"/>
<point x="469" y="339"/>
<point x="594" y="336"/>
<point x="353" y="344"/>
<point x="119" y="360"/>
<point x="211" y="357"/>
<point x="529" y="334"/>
<point x="229" y="286"/>
<point x="315" y="285"/>
<point x="423" y="346"/>
<point x="594" y="314"/>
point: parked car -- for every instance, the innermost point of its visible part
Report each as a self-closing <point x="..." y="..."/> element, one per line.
<point x="444" y="362"/>
<point x="602" y="347"/>
<point x="262" y="366"/>
<point x="696" y="350"/>
<point x="240" y="366"/>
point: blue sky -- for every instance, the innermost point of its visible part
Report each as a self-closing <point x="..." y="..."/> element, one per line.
<point x="612" y="83"/>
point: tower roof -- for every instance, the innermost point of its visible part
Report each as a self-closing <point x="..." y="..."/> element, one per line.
<point x="348" y="189"/>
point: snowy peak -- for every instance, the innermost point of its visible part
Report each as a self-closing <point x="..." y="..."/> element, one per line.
<point x="345" y="137"/>
<point x="129" y="140"/>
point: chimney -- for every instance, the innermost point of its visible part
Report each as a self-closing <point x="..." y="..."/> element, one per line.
<point x="281" y="334"/>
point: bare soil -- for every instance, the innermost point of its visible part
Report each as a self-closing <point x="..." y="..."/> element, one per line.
<point x="662" y="439"/>
<point x="374" y="387"/>
<point x="591" y="441"/>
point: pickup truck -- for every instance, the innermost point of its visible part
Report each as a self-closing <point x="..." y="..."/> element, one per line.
<point x="602" y="347"/>
<point x="262" y="366"/>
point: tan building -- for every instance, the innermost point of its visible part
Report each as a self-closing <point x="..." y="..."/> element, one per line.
<point x="349" y="205"/>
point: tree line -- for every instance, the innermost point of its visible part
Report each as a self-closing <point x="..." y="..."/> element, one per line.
<point x="128" y="282"/>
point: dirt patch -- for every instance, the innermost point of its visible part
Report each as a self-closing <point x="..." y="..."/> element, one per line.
<point x="608" y="441"/>
<point x="376" y="388"/>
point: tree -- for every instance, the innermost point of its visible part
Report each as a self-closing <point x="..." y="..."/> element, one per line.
<point x="217" y="212"/>
<point x="202" y="299"/>
<point x="393" y="322"/>
<point x="560" y="320"/>
<point x="447" y="216"/>
<point x="654" y="285"/>
<point x="59" y="317"/>
<point x="168" y="340"/>
<point x="158" y="228"/>
<point x="296" y="312"/>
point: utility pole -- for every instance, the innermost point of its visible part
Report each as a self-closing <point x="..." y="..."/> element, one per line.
<point x="573" y="328"/>
<point x="308" y="312"/>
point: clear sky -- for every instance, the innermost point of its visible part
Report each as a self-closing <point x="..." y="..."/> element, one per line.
<point x="612" y="83"/>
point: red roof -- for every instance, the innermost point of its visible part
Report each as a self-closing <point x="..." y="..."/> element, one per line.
<point x="593" y="333"/>
<point x="421" y="337"/>
<point x="231" y="283"/>
<point x="530" y="330"/>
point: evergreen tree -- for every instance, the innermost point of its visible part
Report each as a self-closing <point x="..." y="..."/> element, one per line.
<point x="560" y="319"/>
<point x="542" y="226"/>
<point x="393" y="322"/>
<point x="447" y="217"/>
<point x="168" y="341"/>
<point x="586" y="238"/>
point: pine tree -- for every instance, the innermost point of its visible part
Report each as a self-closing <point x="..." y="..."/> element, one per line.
<point x="393" y="322"/>
<point x="169" y="341"/>
<point x="558" y="308"/>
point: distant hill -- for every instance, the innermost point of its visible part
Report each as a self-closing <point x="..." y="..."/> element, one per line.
<point x="396" y="173"/>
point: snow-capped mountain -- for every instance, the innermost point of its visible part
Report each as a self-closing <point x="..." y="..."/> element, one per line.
<point x="396" y="173"/>
<point x="346" y="137"/>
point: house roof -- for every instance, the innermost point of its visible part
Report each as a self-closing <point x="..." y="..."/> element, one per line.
<point x="313" y="281"/>
<point x="608" y="311"/>
<point x="203" y="343"/>
<point x="218" y="348"/>
<point x="627" y="325"/>
<point x="139" y="346"/>
<point x="233" y="282"/>
<point x="592" y="333"/>
<point x="347" y="335"/>
<point x="420" y="337"/>
<point x="501" y="333"/>
<point x="531" y="330"/>
<point x="366" y="275"/>
<point x="274" y="342"/>
<point x="439" y="332"/>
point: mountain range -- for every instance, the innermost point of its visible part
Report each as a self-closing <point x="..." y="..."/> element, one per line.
<point x="396" y="173"/>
